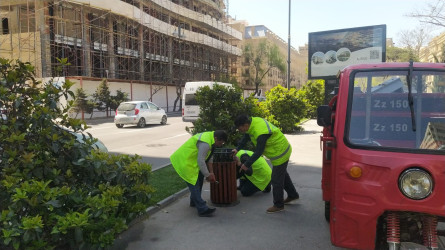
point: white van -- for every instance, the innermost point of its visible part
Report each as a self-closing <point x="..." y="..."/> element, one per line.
<point x="190" y="107"/>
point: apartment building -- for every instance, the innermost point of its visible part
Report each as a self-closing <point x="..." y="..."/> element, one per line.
<point x="139" y="46"/>
<point x="435" y="50"/>
<point x="256" y="34"/>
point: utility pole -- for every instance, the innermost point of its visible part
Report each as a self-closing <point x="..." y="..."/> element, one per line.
<point x="288" y="53"/>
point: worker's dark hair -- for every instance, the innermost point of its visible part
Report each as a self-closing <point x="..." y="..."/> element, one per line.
<point x="244" y="158"/>
<point x="221" y="135"/>
<point x="241" y="120"/>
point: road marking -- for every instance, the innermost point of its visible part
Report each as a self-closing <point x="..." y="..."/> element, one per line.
<point x="175" y="136"/>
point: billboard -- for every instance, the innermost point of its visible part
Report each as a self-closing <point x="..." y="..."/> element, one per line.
<point x="331" y="51"/>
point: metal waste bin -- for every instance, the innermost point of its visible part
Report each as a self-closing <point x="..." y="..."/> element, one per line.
<point x="223" y="192"/>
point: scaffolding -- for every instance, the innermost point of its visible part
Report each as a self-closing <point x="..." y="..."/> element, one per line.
<point x="128" y="40"/>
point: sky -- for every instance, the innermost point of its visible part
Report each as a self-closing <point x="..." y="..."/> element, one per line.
<point x="322" y="15"/>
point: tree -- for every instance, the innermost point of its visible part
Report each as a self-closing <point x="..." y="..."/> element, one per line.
<point x="414" y="39"/>
<point x="262" y="57"/>
<point x="82" y="103"/>
<point x="102" y="96"/>
<point x="433" y="14"/>
<point x="117" y="99"/>
<point x="395" y="54"/>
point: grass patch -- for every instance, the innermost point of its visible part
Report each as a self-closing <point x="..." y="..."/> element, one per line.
<point x="166" y="182"/>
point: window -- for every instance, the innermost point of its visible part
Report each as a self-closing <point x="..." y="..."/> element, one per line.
<point x="5" y="26"/>
<point x="190" y="99"/>
<point x="152" y="106"/>
<point x="144" y="105"/>
<point x="381" y="114"/>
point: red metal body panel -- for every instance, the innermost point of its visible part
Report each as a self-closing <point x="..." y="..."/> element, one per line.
<point x="356" y="204"/>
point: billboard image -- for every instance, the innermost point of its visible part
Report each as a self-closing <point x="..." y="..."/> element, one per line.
<point x="331" y="51"/>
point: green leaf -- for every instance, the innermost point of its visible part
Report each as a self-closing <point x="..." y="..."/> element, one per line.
<point x="54" y="203"/>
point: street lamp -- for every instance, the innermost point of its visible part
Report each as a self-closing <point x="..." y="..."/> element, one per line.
<point x="288" y="53"/>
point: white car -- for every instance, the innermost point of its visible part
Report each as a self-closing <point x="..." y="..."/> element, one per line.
<point x="139" y="113"/>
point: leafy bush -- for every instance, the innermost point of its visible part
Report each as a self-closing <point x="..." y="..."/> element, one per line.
<point x="57" y="192"/>
<point x="313" y="92"/>
<point x="286" y="108"/>
<point x="219" y="108"/>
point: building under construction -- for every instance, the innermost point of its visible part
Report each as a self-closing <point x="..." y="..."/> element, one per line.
<point x="137" y="42"/>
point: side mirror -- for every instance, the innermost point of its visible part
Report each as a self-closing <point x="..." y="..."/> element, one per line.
<point x="324" y="115"/>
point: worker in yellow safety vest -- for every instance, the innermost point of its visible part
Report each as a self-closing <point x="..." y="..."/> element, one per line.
<point x="270" y="142"/>
<point x="254" y="178"/>
<point x="193" y="161"/>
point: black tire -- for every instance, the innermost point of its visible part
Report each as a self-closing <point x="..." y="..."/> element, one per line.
<point x="327" y="211"/>
<point x="164" y="120"/>
<point x="120" y="125"/>
<point x="141" y="123"/>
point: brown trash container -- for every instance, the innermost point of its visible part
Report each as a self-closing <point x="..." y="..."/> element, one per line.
<point x="223" y="192"/>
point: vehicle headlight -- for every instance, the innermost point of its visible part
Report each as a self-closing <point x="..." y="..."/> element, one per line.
<point x="416" y="183"/>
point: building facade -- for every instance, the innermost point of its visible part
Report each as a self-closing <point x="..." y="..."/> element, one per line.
<point x="256" y="34"/>
<point x="435" y="50"/>
<point x="146" y="42"/>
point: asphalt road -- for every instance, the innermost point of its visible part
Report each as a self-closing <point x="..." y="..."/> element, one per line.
<point x="154" y="143"/>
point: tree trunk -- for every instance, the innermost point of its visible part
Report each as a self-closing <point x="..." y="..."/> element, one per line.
<point x="178" y="98"/>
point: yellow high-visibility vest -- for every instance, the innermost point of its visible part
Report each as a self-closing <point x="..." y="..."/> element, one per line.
<point x="278" y="149"/>
<point x="185" y="158"/>
<point x="262" y="173"/>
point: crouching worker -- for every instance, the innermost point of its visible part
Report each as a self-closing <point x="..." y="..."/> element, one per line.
<point x="190" y="162"/>
<point x="253" y="177"/>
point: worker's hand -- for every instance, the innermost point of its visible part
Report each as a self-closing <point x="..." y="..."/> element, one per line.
<point x="235" y="158"/>
<point x="211" y="178"/>
<point x="243" y="167"/>
<point x="234" y="151"/>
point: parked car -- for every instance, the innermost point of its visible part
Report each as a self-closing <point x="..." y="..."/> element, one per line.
<point x="139" y="113"/>
<point x="98" y="144"/>
<point x="80" y="137"/>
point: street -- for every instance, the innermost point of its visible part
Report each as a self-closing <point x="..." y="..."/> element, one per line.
<point x="154" y="143"/>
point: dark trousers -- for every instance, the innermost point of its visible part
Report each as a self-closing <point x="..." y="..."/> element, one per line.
<point x="195" y="194"/>
<point x="247" y="188"/>
<point x="281" y="181"/>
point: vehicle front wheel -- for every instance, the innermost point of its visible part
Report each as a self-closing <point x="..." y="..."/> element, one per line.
<point x="120" y="125"/>
<point x="164" y="120"/>
<point x="327" y="211"/>
<point x="141" y="123"/>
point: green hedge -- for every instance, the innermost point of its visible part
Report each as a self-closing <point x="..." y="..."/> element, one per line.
<point x="282" y="107"/>
<point x="57" y="192"/>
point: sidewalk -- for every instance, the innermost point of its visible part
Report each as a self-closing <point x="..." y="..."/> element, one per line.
<point x="247" y="225"/>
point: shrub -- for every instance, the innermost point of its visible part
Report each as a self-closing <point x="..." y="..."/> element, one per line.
<point x="219" y="108"/>
<point x="313" y="92"/>
<point x="55" y="191"/>
<point x="286" y="108"/>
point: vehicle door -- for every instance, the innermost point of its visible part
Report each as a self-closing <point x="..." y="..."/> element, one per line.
<point x="144" y="111"/>
<point x="191" y="107"/>
<point x="155" y="112"/>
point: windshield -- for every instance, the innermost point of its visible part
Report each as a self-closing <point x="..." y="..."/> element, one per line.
<point x="380" y="113"/>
